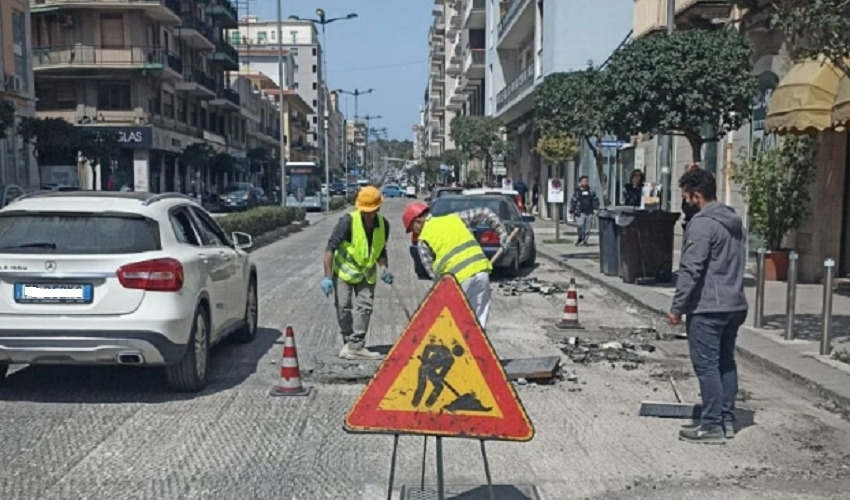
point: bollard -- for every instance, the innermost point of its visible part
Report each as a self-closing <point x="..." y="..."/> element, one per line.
<point x="791" y="297"/>
<point x="825" y="341"/>
<point x="759" y="316"/>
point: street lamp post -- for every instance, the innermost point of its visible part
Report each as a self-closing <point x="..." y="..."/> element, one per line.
<point x="357" y="93"/>
<point x="281" y="137"/>
<point x="324" y="21"/>
<point x="367" y="119"/>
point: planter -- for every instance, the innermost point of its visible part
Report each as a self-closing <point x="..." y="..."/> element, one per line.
<point x="776" y="265"/>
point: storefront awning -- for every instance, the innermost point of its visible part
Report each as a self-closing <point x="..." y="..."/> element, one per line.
<point x="841" y="108"/>
<point x="803" y="100"/>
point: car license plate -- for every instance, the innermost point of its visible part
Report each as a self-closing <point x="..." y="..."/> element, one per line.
<point x="53" y="293"/>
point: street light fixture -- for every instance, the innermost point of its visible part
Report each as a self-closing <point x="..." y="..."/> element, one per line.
<point x="367" y="119"/>
<point x="356" y="93"/>
<point x="324" y="21"/>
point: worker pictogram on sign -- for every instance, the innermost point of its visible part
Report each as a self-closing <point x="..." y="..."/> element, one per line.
<point x="442" y="378"/>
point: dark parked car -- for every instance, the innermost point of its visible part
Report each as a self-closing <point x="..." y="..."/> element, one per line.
<point x="337" y="188"/>
<point x="523" y="252"/>
<point x="443" y="191"/>
<point x="9" y="193"/>
<point x="239" y="196"/>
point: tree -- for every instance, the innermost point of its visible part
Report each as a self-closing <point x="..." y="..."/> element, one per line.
<point x="776" y="186"/>
<point x="557" y="147"/>
<point x="571" y="105"/>
<point x="197" y="156"/>
<point x="455" y="159"/>
<point x="7" y="117"/>
<point x="257" y="158"/>
<point x="479" y="137"/>
<point x="816" y="27"/>
<point x="676" y="84"/>
<point x="54" y="140"/>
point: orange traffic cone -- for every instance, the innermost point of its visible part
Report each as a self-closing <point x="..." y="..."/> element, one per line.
<point x="569" y="321"/>
<point x="290" y="373"/>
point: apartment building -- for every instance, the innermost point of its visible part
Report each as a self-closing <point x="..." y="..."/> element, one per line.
<point x="257" y="43"/>
<point x="16" y="88"/>
<point x="336" y="132"/>
<point x="355" y="138"/>
<point x="528" y="40"/>
<point x="262" y="128"/>
<point x="467" y="62"/>
<point x="155" y="72"/>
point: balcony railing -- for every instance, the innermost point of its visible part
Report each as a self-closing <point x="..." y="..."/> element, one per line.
<point x="173" y="5"/>
<point x="478" y="56"/>
<point x="173" y="62"/>
<point x="227" y="50"/>
<point x="103" y="55"/>
<point x="520" y="83"/>
<point x="223" y="8"/>
<point x="188" y="20"/>
<point x="514" y="8"/>
<point x="197" y="76"/>
<point x="231" y="95"/>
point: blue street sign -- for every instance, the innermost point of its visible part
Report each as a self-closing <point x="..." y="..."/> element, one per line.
<point x="610" y="144"/>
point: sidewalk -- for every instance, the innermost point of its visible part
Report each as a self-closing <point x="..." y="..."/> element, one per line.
<point x="798" y="359"/>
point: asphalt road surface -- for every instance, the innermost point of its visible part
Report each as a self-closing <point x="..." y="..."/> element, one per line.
<point x="110" y="433"/>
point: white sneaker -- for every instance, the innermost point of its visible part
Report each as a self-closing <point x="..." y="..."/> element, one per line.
<point x="355" y="352"/>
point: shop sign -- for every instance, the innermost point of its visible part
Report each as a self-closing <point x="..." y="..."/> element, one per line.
<point x="128" y="137"/>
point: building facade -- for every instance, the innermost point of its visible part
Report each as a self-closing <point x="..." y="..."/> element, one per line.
<point x="17" y="92"/>
<point x="154" y="72"/>
<point x="257" y="43"/>
<point x="336" y="133"/>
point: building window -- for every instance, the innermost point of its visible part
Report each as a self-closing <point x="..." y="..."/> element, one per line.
<point x="261" y="38"/>
<point x="113" y="96"/>
<point x="294" y="52"/>
<point x="19" y="42"/>
<point x="315" y="119"/>
<point x="168" y="104"/>
<point x="315" y="85"/>
<point x="235" y="38"/>
<point x="315" y="137"/>
<point x="56" y="96"/>
<point x="112" y="30"/>
<point x="315" y="103"/>
<point x="274" y="34"/>
<point x="294" y="35"/>
<point x="314" y="52"/>
<point x="315" y="68"/>
<point x="181" y="109"/>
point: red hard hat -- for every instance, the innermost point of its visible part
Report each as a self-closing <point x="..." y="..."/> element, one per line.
<point x="413" y="210"/>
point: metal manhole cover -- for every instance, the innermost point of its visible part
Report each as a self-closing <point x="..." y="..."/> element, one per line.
<point x="479" y="492"/>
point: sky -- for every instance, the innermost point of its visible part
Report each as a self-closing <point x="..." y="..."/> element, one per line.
<point x="385" y="48"/>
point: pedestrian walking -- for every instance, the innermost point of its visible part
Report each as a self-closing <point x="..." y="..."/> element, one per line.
<point x="583" y="206"/>
<point x="521" y="188"/>
<point x="633" y="192"/>
<point x="447" y="240"/>
<point x="535" y="196"/>
<point x="355" y="250"/>
<point x="710" y="291"/>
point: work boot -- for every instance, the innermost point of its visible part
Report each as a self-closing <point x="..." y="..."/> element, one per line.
<point x="356" y="352"/>
<point x="703" y="435"/>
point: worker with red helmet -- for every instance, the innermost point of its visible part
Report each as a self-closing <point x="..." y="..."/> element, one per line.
<point x="355" y="250"/>
<point x="447" y="246"/>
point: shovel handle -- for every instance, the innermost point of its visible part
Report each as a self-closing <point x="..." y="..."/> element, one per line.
<point x="502" y="250"/>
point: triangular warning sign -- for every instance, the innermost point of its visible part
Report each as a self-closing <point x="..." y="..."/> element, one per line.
<point x="442" y="378"/>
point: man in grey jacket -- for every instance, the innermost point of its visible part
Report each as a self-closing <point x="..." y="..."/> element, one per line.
<point x="710" y="291"/>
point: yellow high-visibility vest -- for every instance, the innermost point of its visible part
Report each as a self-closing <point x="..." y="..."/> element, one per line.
<point x="354" y="260"/>
<point x="455" y="248"/>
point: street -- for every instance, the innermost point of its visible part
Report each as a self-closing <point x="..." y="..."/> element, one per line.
<point x="69" y="432"/>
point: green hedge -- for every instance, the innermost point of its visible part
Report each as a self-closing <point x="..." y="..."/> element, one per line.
<point x="258" y="221"/>
<point x="337" y="202"/>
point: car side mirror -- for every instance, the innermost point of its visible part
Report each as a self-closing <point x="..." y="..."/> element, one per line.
<point x="528" y="218"/>
<point x="242" y="241"/>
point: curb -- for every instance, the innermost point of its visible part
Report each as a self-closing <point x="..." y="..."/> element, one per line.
<point x="842" y="401"/>
<point x="267" y="239"/>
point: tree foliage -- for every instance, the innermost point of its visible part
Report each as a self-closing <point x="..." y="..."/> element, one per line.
<point x="776" y="187"/>
<point x="7" y="117"/>
<point x="455" y="159"/>
<point x="676" y="84"/>
<point x="571" y="105"/>
<point x="816" y="27"/>
<point x="557" y="147"/>
<point x="53" y="140"/>
<point x="479" y="137"/>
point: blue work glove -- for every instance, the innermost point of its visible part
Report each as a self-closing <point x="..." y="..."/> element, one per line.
<point x="506" y="245"/>
<point x="327" y="286"/>
<point x="387" y="276"/>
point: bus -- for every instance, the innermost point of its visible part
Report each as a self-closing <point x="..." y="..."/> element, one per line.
<point x="305" y="186"/>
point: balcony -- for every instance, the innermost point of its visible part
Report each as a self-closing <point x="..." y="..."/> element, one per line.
<point x="475" y="15"/>
<point x="227" y="99"/>
<point x="195" y="32"/>
<point x="69" y="58"/>
<point x="172" y="66"/>
<point x="517" y="23"/>
<point x="225" y="13"/>
<point x="524" y="81"/>
<point x="197" y="84"/>
<point x="473" y="63"/>
<point x="650" y="16"/>
<point x="225" y="56"/>
<point x="164" y="11"/>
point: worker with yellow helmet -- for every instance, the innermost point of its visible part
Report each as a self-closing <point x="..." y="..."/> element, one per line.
<point x="355" y="250"/>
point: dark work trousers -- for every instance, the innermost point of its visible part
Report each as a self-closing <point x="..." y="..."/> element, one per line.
<point x="711" y="340"/>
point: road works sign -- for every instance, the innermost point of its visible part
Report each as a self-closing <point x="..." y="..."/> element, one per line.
<point x="442" y="378"/>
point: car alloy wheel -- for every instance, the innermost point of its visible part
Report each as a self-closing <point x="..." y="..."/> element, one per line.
<point x="201" y="344"/>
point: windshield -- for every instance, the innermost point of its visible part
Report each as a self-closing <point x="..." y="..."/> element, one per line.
<point x="310" y="185"/>
<point x="237" y="186"/>
<point x="452" y="205"/>
<point x="77" y="234"/>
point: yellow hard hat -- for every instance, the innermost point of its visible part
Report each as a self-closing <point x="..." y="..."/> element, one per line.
<point x="369" y="199"/>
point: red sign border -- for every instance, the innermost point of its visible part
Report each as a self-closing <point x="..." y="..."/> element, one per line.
<point x="446" y="293"/>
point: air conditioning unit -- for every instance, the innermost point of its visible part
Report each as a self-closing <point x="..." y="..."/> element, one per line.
<point x="17" y="84"/>
<point x="66" y="20"/>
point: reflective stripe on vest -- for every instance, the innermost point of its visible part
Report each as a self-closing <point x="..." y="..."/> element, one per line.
<point x="455" y="249"/>
<point x="355" y="261"/>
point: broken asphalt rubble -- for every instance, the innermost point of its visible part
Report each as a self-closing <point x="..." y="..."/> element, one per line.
<point x="517" y="286"/>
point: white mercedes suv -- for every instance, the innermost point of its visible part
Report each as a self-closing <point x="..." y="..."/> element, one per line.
<point x="121" y="278"/>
